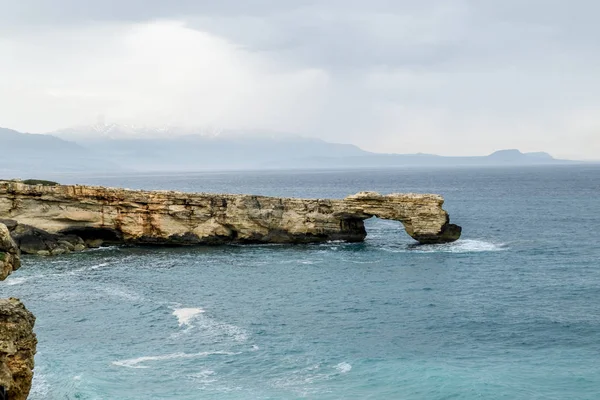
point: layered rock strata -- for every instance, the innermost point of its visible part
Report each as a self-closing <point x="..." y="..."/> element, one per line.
<point x="53" y="218"/>
<point x="17" y="348"/>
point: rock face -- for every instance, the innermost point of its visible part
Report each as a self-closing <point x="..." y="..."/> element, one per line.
<point x="31" y="240"/>
<point x="9" y="253"/>
<point x="97" y="215"/>
<point x="17" y="348"/>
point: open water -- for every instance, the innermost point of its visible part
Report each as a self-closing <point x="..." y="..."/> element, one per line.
<point x="511" y="311"/>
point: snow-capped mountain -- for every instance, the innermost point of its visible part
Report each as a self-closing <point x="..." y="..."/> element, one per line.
<point x="113" y="131"/>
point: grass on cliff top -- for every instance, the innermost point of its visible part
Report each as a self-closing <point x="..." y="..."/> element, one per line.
<point x="40" y="182"/>
<point x="32" y="182"/>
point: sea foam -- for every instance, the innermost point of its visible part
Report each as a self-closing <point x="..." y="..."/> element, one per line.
<point x="15" y="281"/>
<point x="134" y="362"/>
<point x="186" y="315"/>
<point x="343" y="367"/>
<point x="460" y="246"/>
<point x="104" y="264"/>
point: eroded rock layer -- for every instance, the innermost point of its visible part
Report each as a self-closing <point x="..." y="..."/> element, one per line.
<point x="17" y="348"/>
<point x="52" y="218"/>
<point x="9" y="253"/>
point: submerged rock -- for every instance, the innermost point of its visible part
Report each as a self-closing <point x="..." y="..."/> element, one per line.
<point x="99" y="215"/>
<point x="9" y="253"/>
<point x="17" y="348"/>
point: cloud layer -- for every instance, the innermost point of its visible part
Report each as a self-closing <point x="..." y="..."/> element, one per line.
<point x="449" y="77"/>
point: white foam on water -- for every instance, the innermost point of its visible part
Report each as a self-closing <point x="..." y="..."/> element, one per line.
<point x="314" y="367"/>
<point x="76" y="271"/>
<point x="232" y="332"/>
<point x="360" y="262"/>
<point x="186" y="315"/>
<point x="40" y="389"/>
<point x="204" y="376"/>
<point x="15" y="281"/>
<point x="463" y="246"/>
<point x="123" y="294"/>
<point x="304" y="381"/>
<point x="106" y="248"/>
<point x="195" y="319"/>
<point x="99" y="265"/>
<point x="460" y="246"/>
<point x="343" y="367"/>
<point x="134" y="362"/>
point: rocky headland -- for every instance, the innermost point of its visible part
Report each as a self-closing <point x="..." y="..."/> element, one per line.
<point x="56" y="219"/>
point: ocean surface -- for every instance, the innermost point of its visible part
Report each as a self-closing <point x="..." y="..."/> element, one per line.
<point x="510" y="311"/>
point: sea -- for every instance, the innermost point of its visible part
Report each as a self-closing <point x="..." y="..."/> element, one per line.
<point x="510" y="311"/>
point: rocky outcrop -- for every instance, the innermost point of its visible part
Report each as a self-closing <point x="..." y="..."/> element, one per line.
<point x="32" y="240"/>
<point x="116" y="216"/>
<point x="9" y="253"/>
<point x="17" y="348"/>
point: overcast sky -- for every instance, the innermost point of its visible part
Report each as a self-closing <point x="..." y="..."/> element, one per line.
<point x="452" y="77"/>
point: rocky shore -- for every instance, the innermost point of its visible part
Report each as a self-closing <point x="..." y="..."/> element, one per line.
<point x="50" y="220"/>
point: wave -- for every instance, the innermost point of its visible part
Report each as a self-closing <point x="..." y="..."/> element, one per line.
<point x="204" y="376"/>
<point x="134" y="362"/>
<point x="89" y="268"/>
<point x="460" y="246"/>
<point x="15" y="281"/>
<point x="40" y="388"/>
<point x="121" y="293"/>
<point x="343" y="367"/>
<point x="197" y="320"/>
<point x="104" y="248"/>
<point x="186" y="315"/>
<point x="307" y="381"/>
<point x="104" y="264"/>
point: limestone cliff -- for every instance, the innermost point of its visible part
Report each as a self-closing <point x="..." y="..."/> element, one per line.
<point x="9" y="253"/>
<point x="98" y="214"/>
<point x="17" y="348"/>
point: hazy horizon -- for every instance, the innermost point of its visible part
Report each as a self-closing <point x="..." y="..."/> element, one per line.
<point x="86" y="136"/>
<point x="454" y="78"/>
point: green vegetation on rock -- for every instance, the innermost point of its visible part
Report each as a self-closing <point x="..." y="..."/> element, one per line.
<point x="40" y="182"/>
<point x="2" y="256"/>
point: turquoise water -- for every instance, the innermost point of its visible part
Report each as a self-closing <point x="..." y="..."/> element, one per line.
<point x="511" y="311"/>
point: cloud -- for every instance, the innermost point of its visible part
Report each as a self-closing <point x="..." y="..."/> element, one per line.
<point x="452" y="77"/>
<point x="156" y="73"/>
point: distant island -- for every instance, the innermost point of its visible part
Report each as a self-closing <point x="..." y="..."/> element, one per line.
<point x="112" y="148"/>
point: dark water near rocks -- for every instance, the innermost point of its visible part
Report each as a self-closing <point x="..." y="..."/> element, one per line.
<point x="511" y="311"/>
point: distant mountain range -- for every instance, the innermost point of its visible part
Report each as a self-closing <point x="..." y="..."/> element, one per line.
<point x="24" y="153"/>
<point x="377" y="160"/>
<point x="175" y="149"/>
<point x="112" y="148"/>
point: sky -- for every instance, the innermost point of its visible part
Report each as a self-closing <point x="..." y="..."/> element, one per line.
<point x="450" y="77"/>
